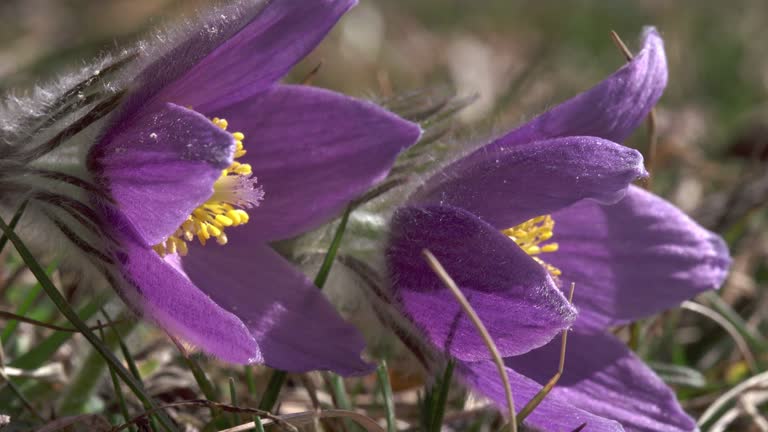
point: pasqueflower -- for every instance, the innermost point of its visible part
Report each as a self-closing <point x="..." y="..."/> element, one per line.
<point x="519" y="220"/>
<point x="204" y="161"/>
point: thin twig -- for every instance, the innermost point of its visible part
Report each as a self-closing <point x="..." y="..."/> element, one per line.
<point x="12" y="316"/>
<point x="304" y="418"/>
<point x="439" y="270"/>
<point x="202" y="402"/>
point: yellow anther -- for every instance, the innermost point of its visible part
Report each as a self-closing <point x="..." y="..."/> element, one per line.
<point x="234" y="190"/>
<point x="552" y="247"/>
<point x="530" y="236"/>
<point x="244" y="169"/>
<point x="222" y="123"/>
<point x="533" y="250"/>
<point x="224" y="220"/>
<point x="203" y="233"/>
<point x="234" y="216"/>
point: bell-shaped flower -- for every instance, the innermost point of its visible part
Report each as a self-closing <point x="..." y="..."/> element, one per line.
<point x="205" y="161"/>
<point x="519" y="220"/>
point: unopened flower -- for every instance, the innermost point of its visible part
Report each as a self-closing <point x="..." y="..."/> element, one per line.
<point x="206" y="160"/>
<point x="519" y="220"/>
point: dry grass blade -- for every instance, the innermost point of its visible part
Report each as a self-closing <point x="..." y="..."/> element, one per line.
<point x="751" y="410"/>
<point x="751" y="399"/>
<point x="309" y="417"/>
<point x="653" y="138"/>
<point x="451" y="285"/>
<point x="728" y="327"/>
<point x="622" y="46"/>
<point x="536" y="400"/>
<point x="757" y="380"/>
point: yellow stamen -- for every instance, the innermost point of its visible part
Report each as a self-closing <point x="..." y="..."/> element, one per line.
<point x="233" y="191"/>
<point x="530" y="236"/>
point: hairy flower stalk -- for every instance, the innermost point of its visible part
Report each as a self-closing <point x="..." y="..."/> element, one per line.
<point x="518" y="221"/>
<point x="168" y="171"/>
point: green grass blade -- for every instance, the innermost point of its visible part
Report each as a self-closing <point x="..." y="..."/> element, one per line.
<point x="14" y="221"/>
<point x="757" y="342"/>
<point x="132" y="367"/>
<point x="233" y="400"/>
<point x="20" y="395"/>
<point x="89" y="374"/>
<point x="41" y="353"/>
<point x="118" y="390"/>
<point x="436" y="418"/>
<point x="333" y="249"/>
<point x="276" y="381"/>
<point x="341" y="398"/>
<point x="208" y="389"/>
<point x="5" y="380"/>
<point x="386" y="389"/>
<point x="65" y="308"/>
<point x="26" y="304"/>
<point x="259" y="426"/>
<point x="250" y="380"/>
<point x="278" y="377"/>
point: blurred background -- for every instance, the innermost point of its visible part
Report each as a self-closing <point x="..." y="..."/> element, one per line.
<point x="520" y="58"/>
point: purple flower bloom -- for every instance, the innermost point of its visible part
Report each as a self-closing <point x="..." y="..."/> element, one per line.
<point x="520" y="219"/>
<point x="174" y="175"/>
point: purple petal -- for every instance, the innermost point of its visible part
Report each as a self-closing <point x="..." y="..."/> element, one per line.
<point x="634" y="258"/>
<point x="610" y="110"/>
<point x="294" y="325"/>
<point x="555" y="413"/>
<point x="161" y="167"/>
<point x="166" y="296"/>
<point x="256" y="57"/>
<point x="605" y="378"/>
<point x="513" y="295"/>
<point x="507" y="185"/>
<point x="313" y="151"/>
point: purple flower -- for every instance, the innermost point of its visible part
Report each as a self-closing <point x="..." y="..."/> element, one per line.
<point x="546" y="205"/>
<point x="181" y="158"/>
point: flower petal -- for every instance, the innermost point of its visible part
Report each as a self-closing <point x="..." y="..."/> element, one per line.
<point x="262" y="52"/>
<point x="610" y="110"/>
<point x="555" y="413"/>
<point x="513" y="295"/>
<point x="605" y="378"/>
<point x="313" y="151"/>
<point x="507" y="185"/>
<point x="161" y="167"/>
<point x="635" y="258"/>
<point x="165" y="295"/>
<point x="295" y="326"/>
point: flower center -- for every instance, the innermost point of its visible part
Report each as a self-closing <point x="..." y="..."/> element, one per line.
<point x="531" y="236"/>
<point x="234" y="191"/>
